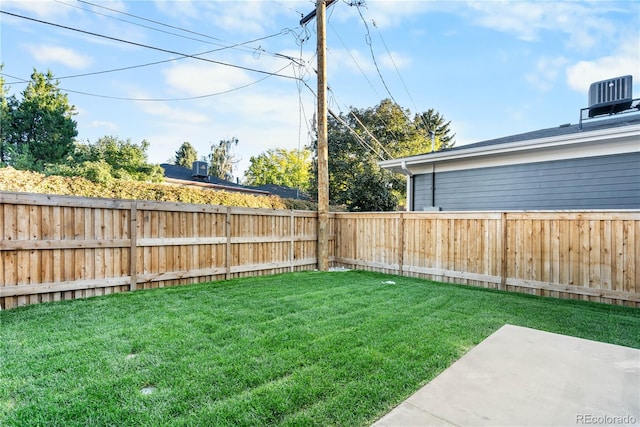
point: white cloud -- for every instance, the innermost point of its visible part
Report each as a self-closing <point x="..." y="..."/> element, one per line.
<point x="184" y="9"/>
<point x="171" y="114"/>
<point x="51" y="54"/>
<point x="353" y="59"/>
<point x="626" y="60"/>
<point x="546" y="72"/>
<point x="204" y="79"/>
<point x="584" y="23"/>
<point x="247" y="17"/>
<point x="101" y="124"/>
<point x="41" y="8"/>
<point x="396" y="60"/>
<point x="385" y="14"/>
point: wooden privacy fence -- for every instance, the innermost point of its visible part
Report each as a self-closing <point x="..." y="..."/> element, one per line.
<point x="580" y="255"/>
<point x="58" y="247"/>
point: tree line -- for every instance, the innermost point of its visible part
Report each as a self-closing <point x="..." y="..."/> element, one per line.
<point x="358" y="139"/>
<point x="38" y="133"/>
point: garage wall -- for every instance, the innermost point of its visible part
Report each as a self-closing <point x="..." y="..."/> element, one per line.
<point x="607" y="182"/>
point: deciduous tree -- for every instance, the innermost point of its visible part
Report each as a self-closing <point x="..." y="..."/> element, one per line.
<point x="109" y="158"/>
<point x="222" y="159"/>
<point x="361" y="137"/>
<point x="279" y="166"/>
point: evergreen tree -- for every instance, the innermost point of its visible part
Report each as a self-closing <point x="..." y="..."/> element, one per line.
<point x="7" y="106"/>
<point x="39" y="128"/>
<point x="186" y="155"/>
<point x="432" y="121"/>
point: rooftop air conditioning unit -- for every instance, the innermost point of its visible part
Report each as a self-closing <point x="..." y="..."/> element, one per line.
<point x="200" y="169"/>
<point x="610" y="96"/>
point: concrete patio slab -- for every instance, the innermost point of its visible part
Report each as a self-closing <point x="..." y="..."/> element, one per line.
<point x="525" y="377"/>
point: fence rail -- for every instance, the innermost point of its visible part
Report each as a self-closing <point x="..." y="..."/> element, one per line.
<point x="579" y="255"/>
<point x="60" y="247"/>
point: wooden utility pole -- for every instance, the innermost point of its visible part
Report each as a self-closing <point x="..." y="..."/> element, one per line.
<point x="323" y="151"/>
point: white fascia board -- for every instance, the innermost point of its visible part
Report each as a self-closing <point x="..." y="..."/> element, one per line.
<point x="618" y="140"/>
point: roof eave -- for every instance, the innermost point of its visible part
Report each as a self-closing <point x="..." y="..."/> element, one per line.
<point x="403" y="165"/>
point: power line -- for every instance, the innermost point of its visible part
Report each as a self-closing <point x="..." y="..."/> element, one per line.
<point x="146" y="46"/>
<point x="170" y="60"/>
<point x="222" y="46"/>
<point x="354" y="60"/>
<point x="291" y="9"/>
<point x="395" y="66"/>
<point x="366" y="130"/>
<point x="132" y="23"/>
<point x="149" y="20"/>
<point x="357" y="136"/>
<point x="424" y="122"/>
<point x="360" y="68"/>
<point x="368" y="40"/>
<point x="154" y="99"/>
<point x="373" y="56"/>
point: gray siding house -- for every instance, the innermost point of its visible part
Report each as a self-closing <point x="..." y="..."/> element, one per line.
<point x="593" y="165"/>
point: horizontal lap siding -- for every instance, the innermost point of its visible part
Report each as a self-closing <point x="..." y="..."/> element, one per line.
<point x="609" y="182"/>
<point x="422" y="196"/>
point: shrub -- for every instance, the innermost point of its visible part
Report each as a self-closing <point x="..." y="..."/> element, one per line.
<point x="33" y="182"/>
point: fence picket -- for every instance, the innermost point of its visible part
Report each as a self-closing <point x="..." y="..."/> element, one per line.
<point x="59" y="247"/>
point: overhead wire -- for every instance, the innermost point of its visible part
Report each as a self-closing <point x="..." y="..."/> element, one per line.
<point x="366" y="130"/>
<point x="149" y="20"/>
<point x="190" y="98"/>
<point x="133" y="23"/>
<point x="339" y="119"/>
<point x="170" y="59"/>
<point x="147" y="46"/>
<point x="291" y="9"/>
<point x="354" y="60"/>
<point x="422" y="119"/>
<point x="394" y="65"/>
<point x="369" y="42"/>
<point x="222" y="46"/>
<point x="301" y="114"/>
<point x="373" y="56"/>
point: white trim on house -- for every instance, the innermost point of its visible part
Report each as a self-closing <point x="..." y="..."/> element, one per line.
<point x="617" y="140"/>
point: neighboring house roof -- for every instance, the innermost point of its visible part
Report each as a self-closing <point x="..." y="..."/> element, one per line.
<point x="613" y="135"/>
<point x="284" y="192"/>
<point x="180" y="175"/>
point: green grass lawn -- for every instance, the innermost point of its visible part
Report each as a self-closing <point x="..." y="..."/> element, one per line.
<point x="313" y="348"/>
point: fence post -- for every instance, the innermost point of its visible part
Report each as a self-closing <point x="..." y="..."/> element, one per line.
<point x="401" y="244"/>
<point x="505" y="252"/>
<point x="228" y="246"/>
<point x="292" y="233"/>
<point x="133" y="252"/>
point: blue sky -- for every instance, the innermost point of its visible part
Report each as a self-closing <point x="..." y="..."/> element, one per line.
<point x="493" y="68"/>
